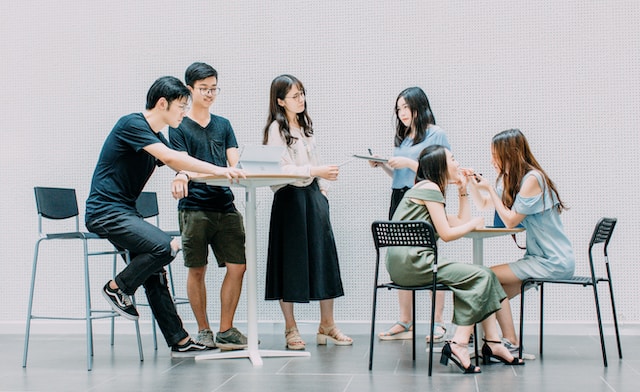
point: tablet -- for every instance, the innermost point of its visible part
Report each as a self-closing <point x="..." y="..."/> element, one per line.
<point x="261" y="159"/>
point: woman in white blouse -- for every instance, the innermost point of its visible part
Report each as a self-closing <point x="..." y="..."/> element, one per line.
<point x="302" y="261"/>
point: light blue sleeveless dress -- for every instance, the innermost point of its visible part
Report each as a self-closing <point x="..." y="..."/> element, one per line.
<point x="549" y="252"/>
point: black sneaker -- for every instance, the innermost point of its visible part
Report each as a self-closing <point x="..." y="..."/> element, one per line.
<point x="189" y="349"/>
<point x="120" y="302"/>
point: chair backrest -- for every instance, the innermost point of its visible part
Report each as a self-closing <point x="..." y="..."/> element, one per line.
<point x="147" y="204"/>
<point x="601" y="235"/>
<point x="602" y="232"/>
<point x="404" y="233"/>
<point x="56" y="203"/>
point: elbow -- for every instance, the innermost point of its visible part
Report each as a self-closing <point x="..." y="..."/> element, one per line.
<point x="484" y="206"/>
<point x="446" y="238"/>
<point x="172" y="162"/>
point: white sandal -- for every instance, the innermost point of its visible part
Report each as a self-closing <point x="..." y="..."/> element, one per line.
<point x="334" y="334"/>
<point x="294" y="341"/>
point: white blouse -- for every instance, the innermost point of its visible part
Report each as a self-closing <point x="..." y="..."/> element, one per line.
<point x="298" y="158"/>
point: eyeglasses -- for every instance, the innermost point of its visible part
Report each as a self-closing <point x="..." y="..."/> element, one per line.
<point x="184" y="108"/>
<point x="209" y="91"/>
<point x="297" y="96"/>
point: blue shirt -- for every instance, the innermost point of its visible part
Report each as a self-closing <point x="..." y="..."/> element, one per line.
<point x="406" y="177"/>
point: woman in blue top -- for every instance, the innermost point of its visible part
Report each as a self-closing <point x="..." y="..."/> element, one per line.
<point x="526" y="195"/>
<point x="416" y="129"/>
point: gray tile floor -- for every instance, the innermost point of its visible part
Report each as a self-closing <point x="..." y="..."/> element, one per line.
<point x="57" y="363"/>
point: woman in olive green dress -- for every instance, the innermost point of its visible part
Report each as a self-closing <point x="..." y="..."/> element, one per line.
<point x="476" y="290"/>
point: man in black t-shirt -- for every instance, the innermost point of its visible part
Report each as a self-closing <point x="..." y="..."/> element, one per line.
<point x="207" y="214"/>
<point x="129" y="156"/>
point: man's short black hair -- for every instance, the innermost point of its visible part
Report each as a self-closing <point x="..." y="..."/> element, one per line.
<point x="198" y="71"/>
<point x="168" y="87"/>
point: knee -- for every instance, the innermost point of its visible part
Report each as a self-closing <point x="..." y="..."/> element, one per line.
<point x="164" y="252"/>
<point x="197" y="273"/>
<point x="488" y="274"/>
<point x="236" y="270"/>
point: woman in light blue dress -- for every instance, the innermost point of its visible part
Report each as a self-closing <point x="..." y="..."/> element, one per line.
<point x="525" y="195"/>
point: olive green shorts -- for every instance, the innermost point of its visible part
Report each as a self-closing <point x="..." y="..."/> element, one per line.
<point x="223" y="231"/>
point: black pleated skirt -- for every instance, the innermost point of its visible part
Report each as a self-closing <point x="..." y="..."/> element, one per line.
<point x="302" y="260"/>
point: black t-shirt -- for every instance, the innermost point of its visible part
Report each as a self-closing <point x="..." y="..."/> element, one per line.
<point x="208" y="144"/>
<point x="123" y="167"/>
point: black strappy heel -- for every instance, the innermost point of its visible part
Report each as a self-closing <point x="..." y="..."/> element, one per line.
<point x="487" y="354"/>
<point x="447" y="355"/>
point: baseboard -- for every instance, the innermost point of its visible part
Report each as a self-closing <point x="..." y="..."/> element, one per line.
<point x="277" y="327"/>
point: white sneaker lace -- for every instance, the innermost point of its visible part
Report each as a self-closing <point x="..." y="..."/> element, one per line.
<point x="125" y="298"/>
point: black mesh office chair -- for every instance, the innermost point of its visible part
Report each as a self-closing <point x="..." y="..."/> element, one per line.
<point x="60" y="204"/>
<point x="147" y="206"/>
<point x="601" y="235"/>
<point x="407" y="233"/>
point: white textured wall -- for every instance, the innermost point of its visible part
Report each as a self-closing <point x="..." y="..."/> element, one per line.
<point x="565" y="73"/>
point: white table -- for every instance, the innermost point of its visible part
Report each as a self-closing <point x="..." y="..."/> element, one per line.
<point x="479" y="235"/>
<point x="250" y="184"/>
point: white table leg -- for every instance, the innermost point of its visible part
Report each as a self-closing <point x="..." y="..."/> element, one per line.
<point x="252" y="352"/>
<point x="478" y="251"/>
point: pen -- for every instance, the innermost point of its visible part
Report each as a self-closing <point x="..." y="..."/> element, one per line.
<point x="370" y="152"/>
<point x="475" y="176"/>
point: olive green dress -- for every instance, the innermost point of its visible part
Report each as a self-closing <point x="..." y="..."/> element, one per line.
<point x="477" y="293"/>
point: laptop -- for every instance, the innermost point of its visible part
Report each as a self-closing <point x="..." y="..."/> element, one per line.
<point x="261" y="159"/>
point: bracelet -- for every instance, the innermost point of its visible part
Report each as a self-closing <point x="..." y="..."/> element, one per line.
<point x="463" y="194"/>
<point x="185" y="173"/>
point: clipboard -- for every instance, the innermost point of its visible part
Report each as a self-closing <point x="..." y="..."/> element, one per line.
<point x="371" y="158"/>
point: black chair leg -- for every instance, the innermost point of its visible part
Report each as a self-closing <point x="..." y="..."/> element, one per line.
<point x="597" y="303"/>
<point x="431" y="328"/>
<point x="521" y="319"/>
<point x="615" y="318"/>
<point x="541" y="317"/>
<point x="373" y="327"/>
<point x="413" y="320"/>
<point x="475" y="343"/>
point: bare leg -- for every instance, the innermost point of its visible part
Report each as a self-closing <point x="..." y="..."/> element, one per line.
<point x="440" y="297"/>
<point x="492" y="337"/>
<point x="511" y="285"/>
<point x="287" y="312"/>
<point x="326" y="313"/>
<point x="404" y="304"/>
<point x="291" y="333"/>
<point x="460" y="342"/>
<point x="327" y="329"/>
<point x="230" y="294"/>
<point x="197" y="293"/>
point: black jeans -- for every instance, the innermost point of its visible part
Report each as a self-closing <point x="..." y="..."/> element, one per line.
<point x="150" y="250"/>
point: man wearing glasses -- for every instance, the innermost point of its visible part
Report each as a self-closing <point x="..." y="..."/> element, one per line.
<point x="207" y="214"/>
<point x="129" y="156"/>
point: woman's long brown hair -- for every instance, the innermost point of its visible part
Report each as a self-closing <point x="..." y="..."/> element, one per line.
<point x="514" y="159"/>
